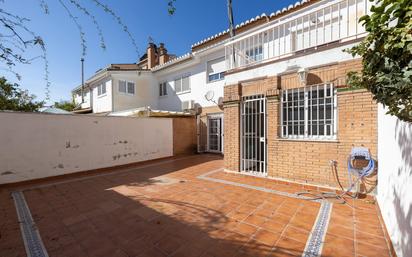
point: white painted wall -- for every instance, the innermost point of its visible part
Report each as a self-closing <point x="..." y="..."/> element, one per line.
<point x="41" y="145"/>
<point x="395" y="180"/>
<point x="146" y="93"/>
<point x="102" y="103"/>
<point x="306" y="61"/>
<point x="197" y="68"/>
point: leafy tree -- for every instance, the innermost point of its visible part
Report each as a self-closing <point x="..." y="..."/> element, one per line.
<point x="12" y="98"/>
<point x="387" y="56"/>
<point x="65" y="105"/>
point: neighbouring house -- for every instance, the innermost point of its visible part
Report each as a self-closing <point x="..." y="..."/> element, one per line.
<point x="120" y="87"/>
<point x="163" y="85"/>
<point x="274" y="99"/>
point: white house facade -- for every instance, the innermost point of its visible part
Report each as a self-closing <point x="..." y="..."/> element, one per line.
<point x="308" y="35"/>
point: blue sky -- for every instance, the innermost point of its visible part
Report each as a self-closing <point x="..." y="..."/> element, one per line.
<point x="193" y="21"/>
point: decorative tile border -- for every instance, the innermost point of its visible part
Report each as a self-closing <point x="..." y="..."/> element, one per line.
<point x="263" y="189"/>
<point x="30" y="234"/>
<point x="314" y="244"/>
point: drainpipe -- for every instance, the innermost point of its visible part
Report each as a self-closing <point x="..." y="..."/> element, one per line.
<point x="82" y="60"/>
<point x="231" y="27"/>
<point x="198" y="132"/>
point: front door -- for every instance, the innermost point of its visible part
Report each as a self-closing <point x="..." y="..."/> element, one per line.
<point x="215" y="133"/>
<point x="253" y="135"/>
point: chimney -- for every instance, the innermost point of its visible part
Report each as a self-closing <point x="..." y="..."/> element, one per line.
<point x="151" y="55"/>
<point x="163" y="56"/>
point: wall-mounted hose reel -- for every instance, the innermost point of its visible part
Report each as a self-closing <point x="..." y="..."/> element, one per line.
<point x="360" y="162"/>
<point x="360" y="165"/>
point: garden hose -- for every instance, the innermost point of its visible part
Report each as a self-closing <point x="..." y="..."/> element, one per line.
<point x="361" y="174"/>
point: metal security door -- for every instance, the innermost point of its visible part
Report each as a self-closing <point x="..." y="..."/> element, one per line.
<point x="215" y="134"/>
<point x="253" y="135"/>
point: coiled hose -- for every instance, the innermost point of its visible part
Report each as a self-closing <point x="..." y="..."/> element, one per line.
<point x="360" y="173"/>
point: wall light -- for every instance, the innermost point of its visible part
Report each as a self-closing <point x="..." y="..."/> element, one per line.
<point x="303" y="75"/>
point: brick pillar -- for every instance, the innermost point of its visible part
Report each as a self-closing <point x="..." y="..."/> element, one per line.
<point x="232" y="136"/>
<point x="273" y="128"/>
<point x="232" y="127"/>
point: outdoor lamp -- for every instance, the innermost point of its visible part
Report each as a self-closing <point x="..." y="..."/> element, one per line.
<point x="303" y="75"/>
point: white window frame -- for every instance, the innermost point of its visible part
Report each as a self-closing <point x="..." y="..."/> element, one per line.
<point x="127" y="87"/>
<point x="163" y="89"/>
<point x="221" y="76"/>
<point x="181" y="84"/>
<point x="309" y="135"/>
<point x="100" y="89"/>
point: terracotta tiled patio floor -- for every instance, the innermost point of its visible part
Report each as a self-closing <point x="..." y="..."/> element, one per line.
<point x="169" y="209"/>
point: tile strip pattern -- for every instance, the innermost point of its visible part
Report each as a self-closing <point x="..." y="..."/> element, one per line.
<point x="263" y="189"/>
<point x="31" y="237"/>
<point x="314" y="244"/>
<point x="317" y="236"/>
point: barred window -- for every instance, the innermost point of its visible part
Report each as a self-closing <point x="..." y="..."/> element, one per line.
<point x="309" y="112"/>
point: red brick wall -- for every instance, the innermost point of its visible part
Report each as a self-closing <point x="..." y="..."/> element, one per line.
<point x="308" y="161"/>
<point x="300" y="160"/>
<point x="232" y="136"/>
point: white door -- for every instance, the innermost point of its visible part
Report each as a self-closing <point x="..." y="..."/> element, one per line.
<point x="215" y="133"/>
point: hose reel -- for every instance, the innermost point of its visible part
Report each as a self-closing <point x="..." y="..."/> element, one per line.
<point x="360" y="162"/>
<point x="360" y="165"/>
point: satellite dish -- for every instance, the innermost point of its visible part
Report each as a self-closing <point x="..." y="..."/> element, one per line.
<point x="209" y="95"/>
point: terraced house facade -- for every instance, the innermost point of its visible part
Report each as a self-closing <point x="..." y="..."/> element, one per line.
<point x="273" y="99"/>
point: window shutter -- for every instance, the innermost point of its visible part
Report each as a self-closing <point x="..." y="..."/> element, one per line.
<point x="122" y="86"/>
<point x="104" y="88"/>
<point x="185" y="83"/>
<point x="178" y="85"/>
<point x="165" y="88"/>
<point x="130" y="88"/>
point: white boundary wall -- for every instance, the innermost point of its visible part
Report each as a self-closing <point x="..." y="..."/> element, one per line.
<point x="36" y="145"/>
<point x="395" y="180"/>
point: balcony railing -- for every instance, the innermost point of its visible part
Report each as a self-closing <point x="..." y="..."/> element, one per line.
<point x="334" y="21"/>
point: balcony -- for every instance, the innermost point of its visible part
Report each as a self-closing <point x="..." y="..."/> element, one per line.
<point x="335" y="21"/>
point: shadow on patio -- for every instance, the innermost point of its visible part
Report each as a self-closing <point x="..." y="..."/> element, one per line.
<point x="164" y="210"/>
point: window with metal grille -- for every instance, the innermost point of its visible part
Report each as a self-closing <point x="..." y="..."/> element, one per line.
<point x="309" y="112"/>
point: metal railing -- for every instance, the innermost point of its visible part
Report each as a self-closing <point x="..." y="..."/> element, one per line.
<point x="334" y="21"/>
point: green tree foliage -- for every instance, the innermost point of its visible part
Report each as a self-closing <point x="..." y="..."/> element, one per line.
<point x="65" y="105"/>
<point x="12" y="98"/>
<point x="387" y="56"/>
